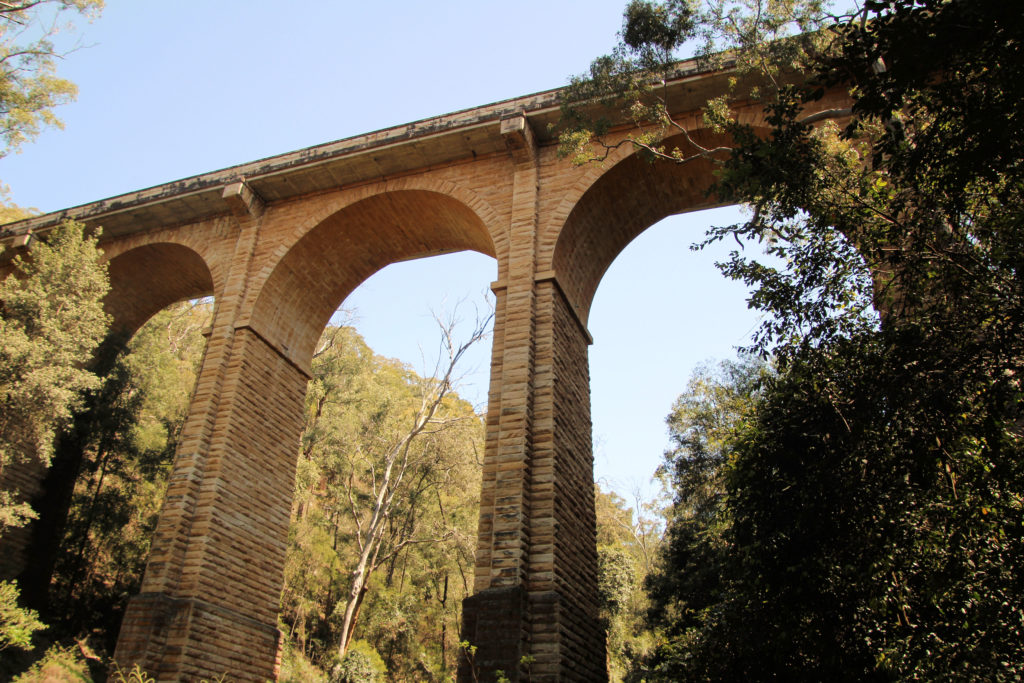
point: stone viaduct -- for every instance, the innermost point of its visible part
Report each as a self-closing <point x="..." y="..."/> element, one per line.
<point x="279" y="243"/>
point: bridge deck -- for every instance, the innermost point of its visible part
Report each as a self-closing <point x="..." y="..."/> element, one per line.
<point x="467" y="134"/>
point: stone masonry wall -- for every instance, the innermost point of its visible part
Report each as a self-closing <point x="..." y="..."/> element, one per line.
<point x="24" y="479"/>
<point x="563" y="560"/>
<point x="209" y="605"/>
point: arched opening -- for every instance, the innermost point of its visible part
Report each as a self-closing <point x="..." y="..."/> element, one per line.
<point x="666" y="308"/>
<point x="149" y="278"/>
<point x="359" y="439"/>
<point x="332" y="259"/>
<point x="624" y="201"/>
<point x="375" y="368"/>
<point x="643" y="217"/>
<point x="403" y="324"/>
<point x="660" y="312"/>
<point x="230" y="496"/>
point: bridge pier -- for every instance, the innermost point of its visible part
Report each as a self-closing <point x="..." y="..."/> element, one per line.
<point x="534" y="611"/>
<point x="210" y="594"/>
<point x="280" y="242"/>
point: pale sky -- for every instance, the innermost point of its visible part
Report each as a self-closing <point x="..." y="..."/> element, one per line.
<point x="169" y="91"/>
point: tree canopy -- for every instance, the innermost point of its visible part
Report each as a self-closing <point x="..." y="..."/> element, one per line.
<point x="30" y="89"/>
<point x="51" y="321"/>
<point x="29" y="86"/>
<point x="873" y="497"/>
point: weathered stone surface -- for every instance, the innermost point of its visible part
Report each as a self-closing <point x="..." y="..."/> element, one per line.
<point x="280" y="243"/>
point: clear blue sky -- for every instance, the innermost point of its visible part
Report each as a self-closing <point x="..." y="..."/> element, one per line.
<point x="170" y="90"/>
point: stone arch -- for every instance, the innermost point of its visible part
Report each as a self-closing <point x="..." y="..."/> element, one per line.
<point x="613" y="204"/>
<point x="146" y="279"/>
<point x="343" y="248"/>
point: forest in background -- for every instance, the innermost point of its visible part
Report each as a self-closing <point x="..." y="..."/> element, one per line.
<point x="393" y="593"/>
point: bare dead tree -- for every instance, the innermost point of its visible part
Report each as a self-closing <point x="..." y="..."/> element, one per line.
<point x="391" y="473"/>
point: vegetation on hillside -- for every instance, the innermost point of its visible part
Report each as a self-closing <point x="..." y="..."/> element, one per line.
<point x="382" y="540"/>
<point x="869" y="504"/>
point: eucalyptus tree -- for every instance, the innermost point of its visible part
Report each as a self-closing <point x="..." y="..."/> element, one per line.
<point x="29" y="86"/>
<point x="383" y="531"/>
<point x="51" y="321"/>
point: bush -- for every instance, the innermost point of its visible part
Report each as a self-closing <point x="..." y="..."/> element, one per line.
<point x="58" y="665"/>
<point x="295" y="668"/>
<point x="16" y="624"/>
<point x="361" y="664"/>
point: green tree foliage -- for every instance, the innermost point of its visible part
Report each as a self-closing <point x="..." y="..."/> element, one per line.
<point x="874" y="497"/>
<point x="381" y="546"/>
<point x="10" y="212"/>
<point x="38" y="400"/>
<point x="16" y="624"/>
<point x="703" y="426"/>
<point x="912" y="561"/>
<point x="361" y="664"/>
<point x="131" y="439"/>
<point x="58" y="664"/>
<point x="29" y="86"/>
<point x="30" y="89"/>
<point x="51" y="321"/>
<point x="628" y="538"/>
<point x="763" y="42"/>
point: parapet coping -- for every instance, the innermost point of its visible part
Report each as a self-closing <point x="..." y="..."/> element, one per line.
<point x="541" y="110"/>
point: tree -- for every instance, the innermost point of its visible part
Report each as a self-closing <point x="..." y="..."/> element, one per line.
<point x="382" y="539"/>
<point x="16" y="625"/>
<point x="400" y="462"/>
<point x="29" y="87"/>
<point x="703" y="426"/>
<point x="51" y="320"/>
<point x="66" y="328"/>
<point x="628" y="539"/>
<point x="764" y="42"/>
<point x="30" y="90"/>
<point x="130" y="437"/>
<point x="874" y="499"/>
